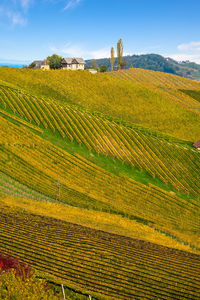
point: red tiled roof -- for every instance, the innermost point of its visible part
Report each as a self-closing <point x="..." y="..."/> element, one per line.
<point x="197" y="144"/>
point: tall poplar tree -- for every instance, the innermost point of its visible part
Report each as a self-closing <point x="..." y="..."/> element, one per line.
<point x="112" y="58"/>
<point x="120" y="49"/>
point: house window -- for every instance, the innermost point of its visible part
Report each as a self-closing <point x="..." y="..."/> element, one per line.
<point x="74" y="66"/>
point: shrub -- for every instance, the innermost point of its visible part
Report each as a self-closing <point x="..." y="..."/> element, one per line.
<point x="8" y="262"/>
<point x="18" y="281"/>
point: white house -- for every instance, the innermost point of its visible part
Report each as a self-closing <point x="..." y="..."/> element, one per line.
<point x="41" y="64"/>
<point x="74" y="63"/>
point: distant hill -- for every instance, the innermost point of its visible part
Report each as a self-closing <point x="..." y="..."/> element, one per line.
<point x="157" y="62"/>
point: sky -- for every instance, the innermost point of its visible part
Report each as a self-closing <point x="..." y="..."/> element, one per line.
<point x="34" y="29"/>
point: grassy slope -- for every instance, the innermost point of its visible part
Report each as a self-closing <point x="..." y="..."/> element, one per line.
<point x="96" y="219"/>
<point x="112" y="195"/>
<point x="113" y="166"/>
<point x="108" y="163"/>
<point x="113" y="97"/>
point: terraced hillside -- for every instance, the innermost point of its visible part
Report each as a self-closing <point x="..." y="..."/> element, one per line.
<point x="157" y="79"/>
<point x="172" y="163"/>
<point x="177" y="89"/>
<point x="12" y="187"/>
<point x="98" y="262"/>
<point x="38" y="165"/>
<point x="119" y="99"/>
<point x="94" y="201"/>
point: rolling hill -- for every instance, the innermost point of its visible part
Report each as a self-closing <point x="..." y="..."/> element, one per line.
<point x="156" y="62"/>
<point x="124" y="101"/>
<point x="99" y="182"/>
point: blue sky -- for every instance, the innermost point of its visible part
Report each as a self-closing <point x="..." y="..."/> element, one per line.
<point x="33" y="29"/>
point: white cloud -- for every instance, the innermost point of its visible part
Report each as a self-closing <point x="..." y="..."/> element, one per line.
<point x="17" y="19"/>
<point x="78" y="50"/>
<point x="53" y="48"/>
<point x="100" y="53"/>
<point x="187" y="51"/>
<point x="73" y="50"/>
<point x="72" y="4"/>
<point x="103" y="53"/>
<point x="15" y="11"/>
<point x="25" y="3"/>
<point x="190" y="47"/>
<point x="186" y="56"/>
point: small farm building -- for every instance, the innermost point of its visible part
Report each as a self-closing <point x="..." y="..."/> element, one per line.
<point x="93" y="71"/>
<point x="74" y="63"/>
<point x="197" y="145"/>
<point x="41" y="64"/>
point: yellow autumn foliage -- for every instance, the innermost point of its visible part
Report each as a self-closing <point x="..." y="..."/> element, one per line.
<point x="96" y="220"/>
<point x="137" y="101"/>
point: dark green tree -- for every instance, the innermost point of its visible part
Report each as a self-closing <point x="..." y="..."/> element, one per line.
<point x="54" y="61"/>
<point x="32" y="65"/>
<point x="103" y="68"/>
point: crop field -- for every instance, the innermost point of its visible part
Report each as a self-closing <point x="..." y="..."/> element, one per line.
<point x="172" y="163"/>
<point x="39" y="165"/>
<point x="98" y="262"/>
<point x="99" y="181"/>
<point x="116" y="98"/>
<point x="99" y="220"/>
<point x="11" y="187"/>
<point x="158" y="79"/>
<point x="174" y="87"/>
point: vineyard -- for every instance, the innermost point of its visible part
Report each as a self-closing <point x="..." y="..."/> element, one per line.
<point x="11" y="187"/>
<point x="158" y="79"/>
<point x="90" y="196"/>
<point x="175" y="87"/>
<point x="123" y="100"/>
<point x="170" y="162"/>
<point x="99" y="220"/>
<point x="98" y="262"/>
<point x="39" y="165"/>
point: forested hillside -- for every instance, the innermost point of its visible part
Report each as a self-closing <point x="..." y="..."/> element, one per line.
<point x="156" y="62"/>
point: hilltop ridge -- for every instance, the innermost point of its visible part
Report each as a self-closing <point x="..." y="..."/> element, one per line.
<point x="156" y="62"/>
